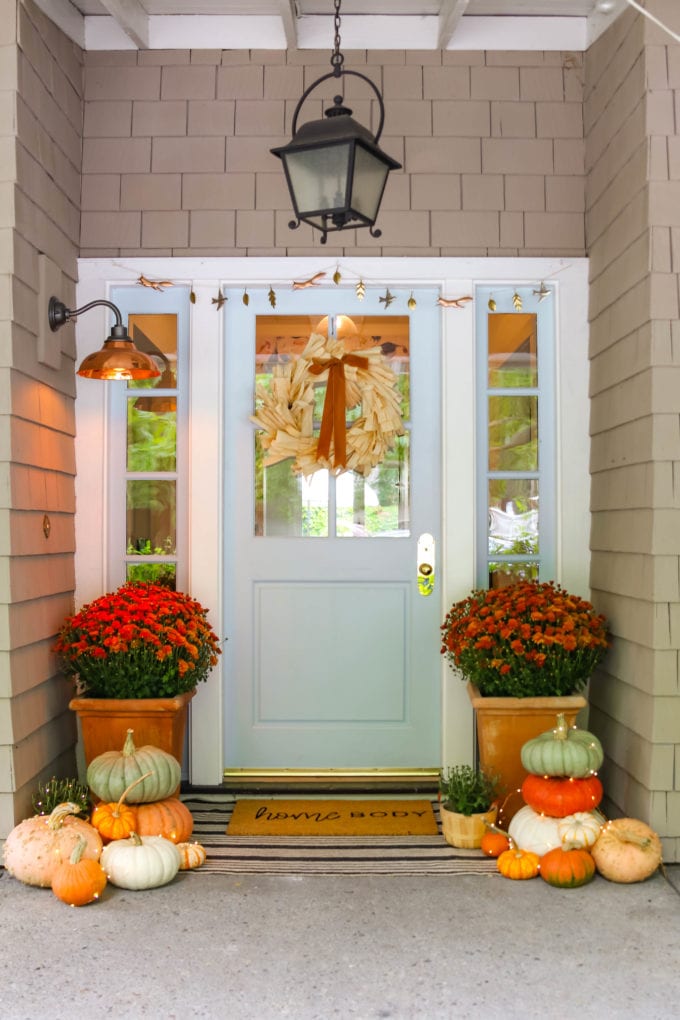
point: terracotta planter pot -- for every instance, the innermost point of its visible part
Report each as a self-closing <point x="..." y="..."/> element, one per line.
<point x="465" y="831"/>
<point x="503" y="726"/>
<point x="104" y="723"/>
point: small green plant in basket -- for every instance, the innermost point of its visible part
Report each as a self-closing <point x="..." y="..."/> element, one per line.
<point x="466" y="790"/>
<point x="58" y="791"/>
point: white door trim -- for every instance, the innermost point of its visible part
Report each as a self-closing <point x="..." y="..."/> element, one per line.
<point x="455" y="278"/>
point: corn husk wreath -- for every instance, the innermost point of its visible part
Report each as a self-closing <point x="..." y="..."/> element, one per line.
<point x="285" y="411"/>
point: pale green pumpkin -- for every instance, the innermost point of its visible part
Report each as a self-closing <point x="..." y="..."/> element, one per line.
<point x="564" y="751"/>
<point x="111" y="773"/>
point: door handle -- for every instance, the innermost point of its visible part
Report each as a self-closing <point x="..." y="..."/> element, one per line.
<point x="425" y="560"/>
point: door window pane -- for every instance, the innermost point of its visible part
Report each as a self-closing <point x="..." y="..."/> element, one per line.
<point x="513" y="359"/>
<point x="320" y="504"/>
<point x="377" y="505"/>
<point x="513" y="433"/>
<point x="151" y="517"/>
<point x="151" y="433"/>
<point x="156" y="335"/>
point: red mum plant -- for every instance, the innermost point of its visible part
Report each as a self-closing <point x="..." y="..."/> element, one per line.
<point x="141" y="641"/>
<point x="530" y="639"/>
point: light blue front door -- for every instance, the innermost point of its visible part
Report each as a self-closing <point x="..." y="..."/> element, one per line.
<point x="332" y="659"/>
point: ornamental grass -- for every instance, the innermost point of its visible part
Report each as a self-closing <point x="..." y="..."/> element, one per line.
<point x="529" y="639"/>
<point x="141" y="641"/>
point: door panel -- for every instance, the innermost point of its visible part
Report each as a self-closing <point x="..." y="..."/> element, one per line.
<point x="333" y="655"/>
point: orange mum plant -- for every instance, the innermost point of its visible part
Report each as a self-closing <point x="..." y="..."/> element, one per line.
<point x="141" y="641"/>
<point x="529" y="639"/>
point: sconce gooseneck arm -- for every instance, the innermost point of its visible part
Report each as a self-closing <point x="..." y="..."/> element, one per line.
<point x="58" y="314"/>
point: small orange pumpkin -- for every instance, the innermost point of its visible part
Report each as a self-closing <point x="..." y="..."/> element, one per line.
<point x="494" y="842"/>
<point x="78" y="880"/>
<point x="192" y="855"/>
<point x="518" y="864"/>
<point x="170" y="818"/>
<point x="116" y="820"/>
<point x="567" y="869"/>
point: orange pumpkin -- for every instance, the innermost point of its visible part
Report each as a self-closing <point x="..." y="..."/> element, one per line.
<point x="518" y="864"/>
<point x="169" y="818"/>
<point x="78" y="880"/>
<point x="494" y="843"/>
<point x="116" y="820"/>
<point x="567" y="869"/>
<point x="559" y="796"/>
<point x="191" y="855"/>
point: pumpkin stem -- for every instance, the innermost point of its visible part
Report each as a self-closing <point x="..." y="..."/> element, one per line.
<point x="626" y="836"/>
<point x="77" y="851"/>
<point x="129" y="745"/>
<point x="134" y="838"/>
<point x="561" y="731"/>
<point x="61" y="812"/>
<point x="492" y="827"/>
<point x="130" y="787"/>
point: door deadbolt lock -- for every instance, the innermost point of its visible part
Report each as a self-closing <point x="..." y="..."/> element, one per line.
<point x="425" y="564"/>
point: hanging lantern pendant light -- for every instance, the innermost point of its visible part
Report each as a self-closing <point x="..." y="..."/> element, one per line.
<point x="335" y="170"/>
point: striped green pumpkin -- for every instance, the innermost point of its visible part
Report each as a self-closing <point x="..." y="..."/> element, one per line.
<point x="110" y="773"/>
<point x="564" y="751"/>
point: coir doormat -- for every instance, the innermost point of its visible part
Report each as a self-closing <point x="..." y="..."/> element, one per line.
<point x="274" y="817"/>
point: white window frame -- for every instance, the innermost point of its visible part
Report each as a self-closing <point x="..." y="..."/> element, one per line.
<point x="205" y="506"/>
<point x="544" y="391"/>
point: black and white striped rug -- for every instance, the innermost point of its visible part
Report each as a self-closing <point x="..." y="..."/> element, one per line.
<point x="322" y="855"/>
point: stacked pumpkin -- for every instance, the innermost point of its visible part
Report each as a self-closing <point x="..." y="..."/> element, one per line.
<point x="136" y="837"/>
<point x="559" y="833"/>
<point x="559" y="824"/>
<point x="145" y="827"/>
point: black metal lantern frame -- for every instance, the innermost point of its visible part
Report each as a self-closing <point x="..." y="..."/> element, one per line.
<point x="335" y="170"/>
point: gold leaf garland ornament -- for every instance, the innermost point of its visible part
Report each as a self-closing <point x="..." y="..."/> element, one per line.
<point x="286" y="410"/>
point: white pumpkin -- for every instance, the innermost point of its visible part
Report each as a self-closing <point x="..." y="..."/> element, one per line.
<point x="140" y="862"/>
<point x="537" y="833"/>
<point x="580" y="830"/>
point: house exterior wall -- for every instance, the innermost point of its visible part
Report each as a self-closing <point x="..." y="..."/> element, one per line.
<point x="632" y="217"/>
<point x="40" y="151"/>
<point x="176" y="154"/>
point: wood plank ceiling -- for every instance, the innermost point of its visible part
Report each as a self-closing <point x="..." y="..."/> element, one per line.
<point x="372" y="24"/>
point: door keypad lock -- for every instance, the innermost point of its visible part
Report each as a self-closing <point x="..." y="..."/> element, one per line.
<point x="425" y="560"/>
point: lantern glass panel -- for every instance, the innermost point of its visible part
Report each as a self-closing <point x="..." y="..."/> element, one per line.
<point x="318" y="177"/>
<point x="368" y="184"/>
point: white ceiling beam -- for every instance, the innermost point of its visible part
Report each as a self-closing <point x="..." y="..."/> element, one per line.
<point x="66" y="17"/>
<point x="450" y="13"/>
<point x="359" y="32"/>
<point x="132" y="18"/>
<point x="288" y="13"/>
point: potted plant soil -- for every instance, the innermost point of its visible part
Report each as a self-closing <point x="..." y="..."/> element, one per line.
<point x="526" y="652"/>
<point x="137" y="654"/>
<point x="467" y="805"/>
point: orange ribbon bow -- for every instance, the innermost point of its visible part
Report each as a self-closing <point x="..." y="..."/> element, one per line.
<point x="333" y="417"/>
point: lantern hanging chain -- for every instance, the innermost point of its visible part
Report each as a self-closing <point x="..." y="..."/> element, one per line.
<point x="337" y="58"/>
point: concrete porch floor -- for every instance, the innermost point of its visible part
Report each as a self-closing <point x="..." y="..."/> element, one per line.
<point x="314" y="948"/>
